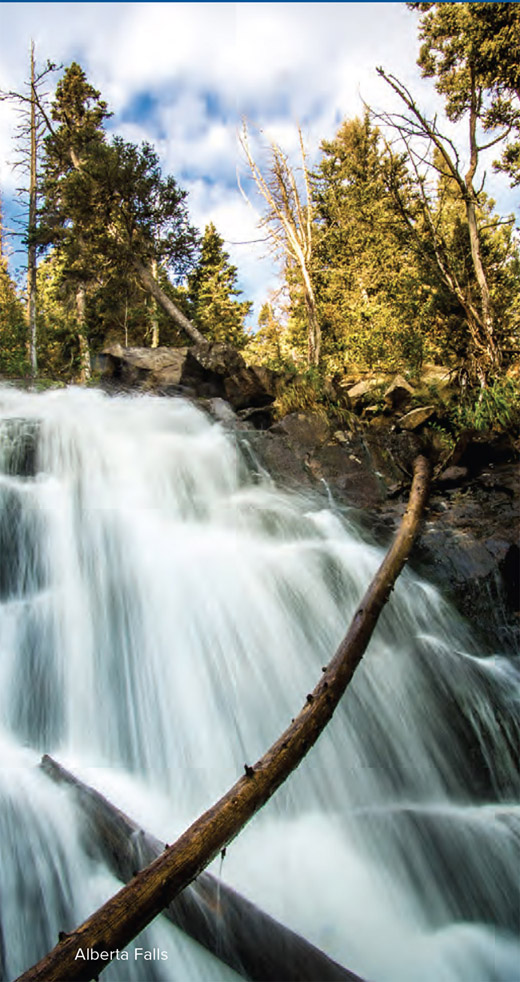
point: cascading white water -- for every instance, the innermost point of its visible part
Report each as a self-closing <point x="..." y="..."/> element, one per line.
<point x="163" y="613"/>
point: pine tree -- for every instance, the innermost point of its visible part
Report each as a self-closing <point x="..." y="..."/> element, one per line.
<point x="13" y="330"/>
<point x="212" y="293"/>
<point x="477" y="45"/>
<point x="367" y="279"/>
<point x="71" y="195"/>
<point x="459" y="55"/>
<point x="109" y="212"/>
<point x="270" y="344"/>
<point x="30" y="107"/>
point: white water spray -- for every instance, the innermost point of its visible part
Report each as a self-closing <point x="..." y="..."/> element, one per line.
<point x="163" y="614"/>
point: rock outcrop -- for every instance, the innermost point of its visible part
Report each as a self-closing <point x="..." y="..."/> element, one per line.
<point x="202" y="370"/>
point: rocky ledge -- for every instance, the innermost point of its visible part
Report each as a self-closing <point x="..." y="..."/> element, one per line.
<point x="470" y="544"/>
<point x="202" y="370"/>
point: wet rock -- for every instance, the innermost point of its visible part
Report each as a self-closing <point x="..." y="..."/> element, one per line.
<point x="470" y="547"/>
<point x="261" y="417"/>
<point x="272" y="451"/>
<point x="304" y="430"/>
<point x="470" y="543"/>
<point x="348" y="472"/>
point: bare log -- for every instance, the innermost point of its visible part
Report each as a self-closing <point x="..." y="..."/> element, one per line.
<point x="122" y="917"/>
<point x="235" y="930"/>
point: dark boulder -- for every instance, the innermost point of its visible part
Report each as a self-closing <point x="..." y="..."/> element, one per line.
<point x="399" y="393"/>
<point x="251" y="386"/>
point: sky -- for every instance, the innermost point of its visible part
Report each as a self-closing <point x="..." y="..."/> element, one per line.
<point x="183" y="76"/>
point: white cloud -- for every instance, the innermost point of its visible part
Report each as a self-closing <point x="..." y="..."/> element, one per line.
<point x="237" y="223"/>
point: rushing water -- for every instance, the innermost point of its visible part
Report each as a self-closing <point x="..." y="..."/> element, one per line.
<point x="163" y="612"/>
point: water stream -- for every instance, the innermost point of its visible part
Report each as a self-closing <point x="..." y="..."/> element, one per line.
<point x="163" y="612"/>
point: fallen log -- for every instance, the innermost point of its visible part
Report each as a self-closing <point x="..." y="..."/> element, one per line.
<point x="130" y="910"/>
<point x="237" y="932"/>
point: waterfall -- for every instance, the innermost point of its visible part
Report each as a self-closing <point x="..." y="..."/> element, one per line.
<point x="164" y="609"/>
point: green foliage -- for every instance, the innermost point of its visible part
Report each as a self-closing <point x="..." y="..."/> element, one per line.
<point x="14" y="361"/>
<point x="143" y="213"/>
<point x="393" y="269"/>
<point x="212" y="293"/>
<point x="372" y="300"/>
<point x="58" y="345"/>
<point x="303" y="394"/>
<point x="476" y="43"/>
<point x="80" y="112"/>
<point x="106" y="209"/>
<point x="312" y="392"/>
<point x="497" y="407"/>
<point x="276" y="344"/>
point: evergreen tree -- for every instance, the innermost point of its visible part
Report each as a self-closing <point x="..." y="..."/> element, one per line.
<point x="109" y="212"/>
<point x="458" y="51"/>
<point x="13" y="330"/>
<point x="473" y="50"/>
<point x="367" y="278"/>
<point x="71" y="196"/>
<point x="270" y="345"/>
<point x="212" y="293"/>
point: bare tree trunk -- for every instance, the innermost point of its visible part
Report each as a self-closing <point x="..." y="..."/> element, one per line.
<point x="212" y="913"/>
<point x="84" y="353"/>
<point x="154" y="318"/>
<point x="289" y="224"/>
<point x="31" y="251"/>
<point x="314" y="330"/>
<point x="126" y="914"/>
<point x="474" y="238"/>
<point x="487" y="319"/>
<point x="480" y="323"/>
<point x="150" y="284"/>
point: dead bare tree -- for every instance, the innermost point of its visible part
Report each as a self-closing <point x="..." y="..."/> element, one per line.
<point x="119" y="920"/>
<point x="420" y="136"/>
<point x="289" y="223"/>
<point x="30" y="133"/>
